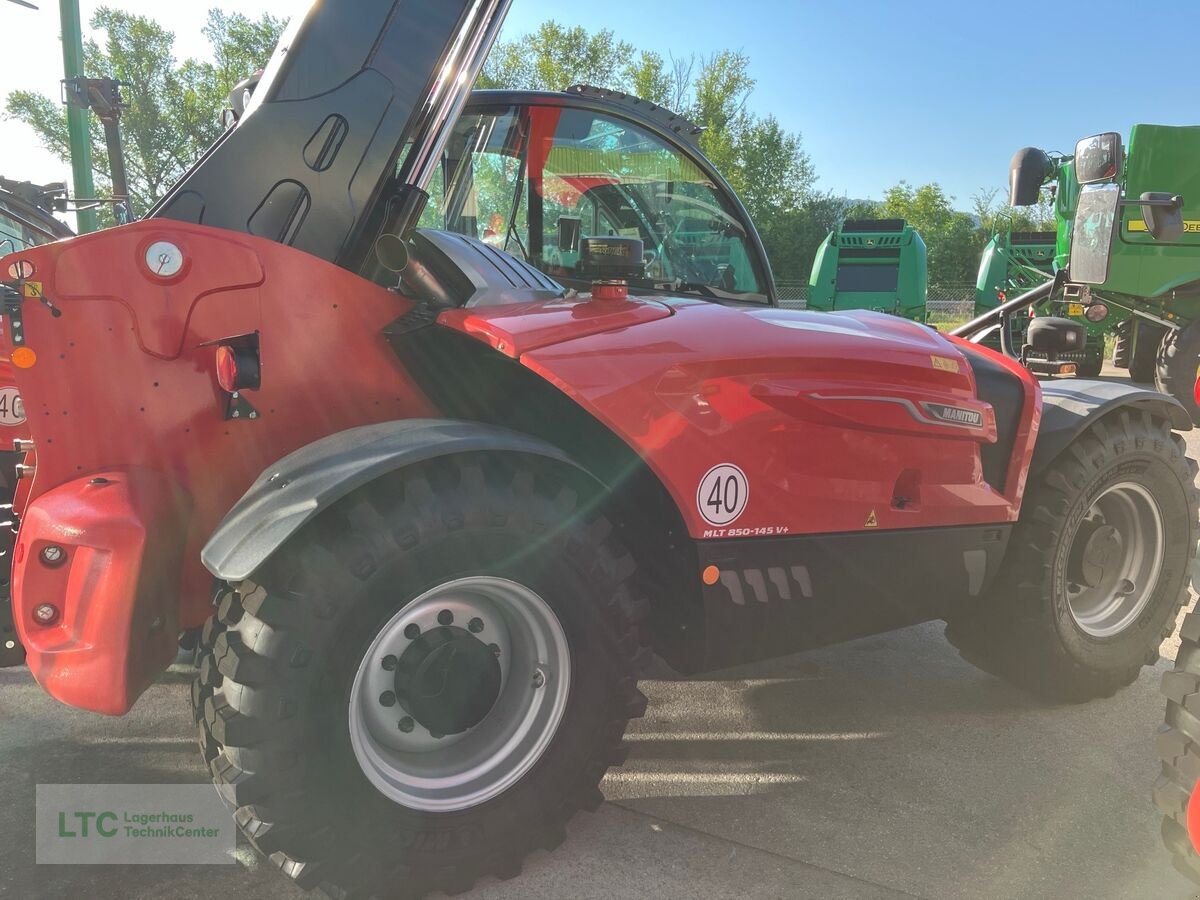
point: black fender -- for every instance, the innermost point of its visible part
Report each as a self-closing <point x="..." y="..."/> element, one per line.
<point x="1070" y="406"/>
<point x="305" y="482"/>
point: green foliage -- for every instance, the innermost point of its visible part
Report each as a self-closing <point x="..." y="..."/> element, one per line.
<point x="173" y="106"/>
<point x="793" y="236"/>
<point x="555" y="57"/>
<point x="952" y="238"/>
<point x="997" y="216"/>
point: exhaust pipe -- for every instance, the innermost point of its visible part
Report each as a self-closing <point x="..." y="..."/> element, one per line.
<point x="1027" y="172"/>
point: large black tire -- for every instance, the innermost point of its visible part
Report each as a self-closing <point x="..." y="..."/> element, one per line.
<point x="275" y="664"/>
<point x="1122" y="344"/>
<point x="1178" y="746"/>
<point x="1178" y="358"/>
<point x="1143" y="359"/>
<point x="1024" y="630"/>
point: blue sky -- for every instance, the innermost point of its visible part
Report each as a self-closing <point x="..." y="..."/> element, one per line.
<point x="926" y="90"/>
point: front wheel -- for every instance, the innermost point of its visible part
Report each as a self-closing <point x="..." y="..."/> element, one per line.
<point x="426" y="686"/>
<point x="1177" y="361"/>
<point x="1143" y="358"/>
<point x="1097" y="566"/>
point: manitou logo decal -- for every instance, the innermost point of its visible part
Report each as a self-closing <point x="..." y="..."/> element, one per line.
<point x="955" y="415"/>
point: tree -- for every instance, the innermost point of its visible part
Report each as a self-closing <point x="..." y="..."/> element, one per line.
<point x="791" y="237"/>
<point x="173" y="106"/>
<point x="952" y="238"/>
<point x="997" y="216"/>
<point x="554" y="57"/>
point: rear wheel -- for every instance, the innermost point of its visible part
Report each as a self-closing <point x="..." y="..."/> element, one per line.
<point x="1178" y="746"/>
<point x="1144" y="355"/>
<point x="1178" y="357"/>
<point x="428" y="685"/>
<point x="1097" y="567"/>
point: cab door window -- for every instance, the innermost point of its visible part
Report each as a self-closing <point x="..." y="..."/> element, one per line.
<point x="534" y="180"/>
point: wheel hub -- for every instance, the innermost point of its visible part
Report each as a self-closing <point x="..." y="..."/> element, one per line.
<point x="1100" y="553"/>
<point x="448" y="680"/>
<point x="459" y="693"/>
<point x="1115" y="559"/>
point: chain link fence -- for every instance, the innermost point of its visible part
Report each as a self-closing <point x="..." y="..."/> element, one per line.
<point x="947" y="303"/>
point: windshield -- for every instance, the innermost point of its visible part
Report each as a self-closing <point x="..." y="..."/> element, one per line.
<point x="534" y="180"/>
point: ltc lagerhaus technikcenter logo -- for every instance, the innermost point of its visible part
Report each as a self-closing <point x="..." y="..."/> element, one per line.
<point x="149" y="824"/>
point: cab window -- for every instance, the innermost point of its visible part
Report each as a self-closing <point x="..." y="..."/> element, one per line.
<point x="535" y="180"/>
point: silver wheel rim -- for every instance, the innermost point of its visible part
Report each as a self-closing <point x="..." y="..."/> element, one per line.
<point x="419" y="769"/>
<point x="1115" y="560"/>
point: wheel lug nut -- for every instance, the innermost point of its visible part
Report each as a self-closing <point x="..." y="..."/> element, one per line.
<point x="495" y="648"/>
<point x="475" y="625"/>
<point x="539" y="678"/>
<point x="413" y="631"/>
<point x="406" y="725"/>
<point x="445" y="617"/>
<point x="1125" y="587"/>
<point x="389" y="663"/>
<point x="387" y="698"/>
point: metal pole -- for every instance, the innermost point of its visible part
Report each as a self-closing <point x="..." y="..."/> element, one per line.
<point x="77" y="119"/>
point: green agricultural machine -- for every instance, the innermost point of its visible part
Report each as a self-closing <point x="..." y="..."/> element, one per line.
<point x="1012" y="263"/>
<point x="1147" y="291"/>
<point x="877" y="264"/>
<point x="1016" y="261"/>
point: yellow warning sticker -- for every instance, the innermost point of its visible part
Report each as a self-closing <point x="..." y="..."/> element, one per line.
<point x="872" y="521"/>
<point x="31" y="288"/>
<point x="1192" y="226"/>
<point x="944" y="363"/>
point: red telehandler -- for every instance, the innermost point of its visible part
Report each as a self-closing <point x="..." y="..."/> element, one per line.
<point x="425" y="511"/>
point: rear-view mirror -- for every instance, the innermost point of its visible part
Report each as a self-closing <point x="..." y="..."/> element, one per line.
<point x="1098" y="158"/>
<point x="569" y="228"/>
<point x="1163" y="215"/>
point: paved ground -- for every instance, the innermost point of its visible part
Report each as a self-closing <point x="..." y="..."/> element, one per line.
<point x="882" y="768"/>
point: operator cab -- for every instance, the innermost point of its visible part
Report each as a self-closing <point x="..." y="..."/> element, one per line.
<point x="536" y="174"/>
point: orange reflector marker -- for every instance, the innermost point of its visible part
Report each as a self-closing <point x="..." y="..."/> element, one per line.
<point x="227" y="369"/>
<point x="23" y="357"/>
<point x="711" y="574"/>
<point x="1067" y="369"/>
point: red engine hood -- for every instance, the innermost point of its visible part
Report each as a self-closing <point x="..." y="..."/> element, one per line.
<point x="518" y="328"/>
<point x="784" y="340"/>
<point x="830" y="416"/>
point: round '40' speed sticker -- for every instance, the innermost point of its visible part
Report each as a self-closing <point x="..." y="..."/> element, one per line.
<point x="12" y="410"/>
<point x="722" y="494"/>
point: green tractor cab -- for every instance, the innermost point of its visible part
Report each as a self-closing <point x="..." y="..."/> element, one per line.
<point x="1138" y="276"/>
<point x="877" y="264"/>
